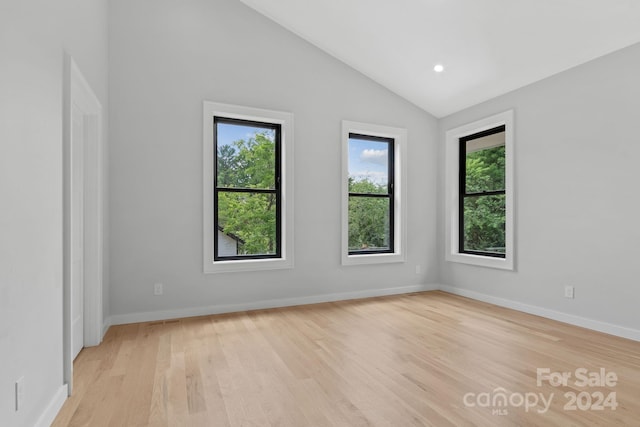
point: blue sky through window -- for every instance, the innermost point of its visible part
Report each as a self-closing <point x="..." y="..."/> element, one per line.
<point x="368" y="160"/>
<point x="228" y="133"/>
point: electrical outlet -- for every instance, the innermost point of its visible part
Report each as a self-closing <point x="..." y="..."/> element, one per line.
<point x="418" y="269"/>
<point x="568" y="291"/>
<point x="157" y="289"/>
<point x="19" y="392"/>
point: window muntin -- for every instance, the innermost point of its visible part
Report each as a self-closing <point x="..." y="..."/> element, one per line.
<point x="247" y="191"/>
<point x="370" y="194"/>
<point x="482" y="193"/>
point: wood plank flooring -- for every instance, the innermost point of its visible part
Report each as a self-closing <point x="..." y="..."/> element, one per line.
<point x="425" y="359"/>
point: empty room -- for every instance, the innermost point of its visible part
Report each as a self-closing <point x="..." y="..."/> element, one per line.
<point x="319" y="213"/>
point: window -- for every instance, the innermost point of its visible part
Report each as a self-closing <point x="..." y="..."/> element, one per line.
<point x="247" y="189"/>
<point x="480" y="193"/>
<point x="482" y="208"/>
<point x="372" y="213"/>
<point x="248" y="210"/>
<point x="370" y="194"/>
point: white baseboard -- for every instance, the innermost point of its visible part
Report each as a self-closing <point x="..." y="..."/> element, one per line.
<point x="596" y="325"/>
<point x="54" y="406"/>
<point x="105" y="326"/>
<point x="150" y="316"/>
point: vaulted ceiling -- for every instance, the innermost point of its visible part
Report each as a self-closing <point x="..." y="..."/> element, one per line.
<point x="487" y="47"/>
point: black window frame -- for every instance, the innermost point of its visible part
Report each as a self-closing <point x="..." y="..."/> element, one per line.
<point x="390" y="191"/>
<point x="277" y="127"/>
<point x="462" y="190"/>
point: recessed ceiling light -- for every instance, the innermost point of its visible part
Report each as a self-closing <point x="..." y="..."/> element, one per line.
<point x="438" y="68"/>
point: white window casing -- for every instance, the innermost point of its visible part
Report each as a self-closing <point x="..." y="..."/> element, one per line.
<point x="285" y="120"/>
<point x="453" y="136"/>
<point x="399" y="135"/>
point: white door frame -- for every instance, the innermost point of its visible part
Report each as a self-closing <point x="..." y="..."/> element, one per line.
<point x="78" y="94"/>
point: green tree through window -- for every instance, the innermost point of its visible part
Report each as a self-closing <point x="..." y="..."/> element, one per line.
<point x="368" y="217"/>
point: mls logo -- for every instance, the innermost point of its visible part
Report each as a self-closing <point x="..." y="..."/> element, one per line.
<point x="499" y="411"/>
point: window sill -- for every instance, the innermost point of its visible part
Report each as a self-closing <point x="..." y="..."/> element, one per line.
<point x="372" y="259"/>
<point x="247" y="265"/>
<point x="482" y="261"/>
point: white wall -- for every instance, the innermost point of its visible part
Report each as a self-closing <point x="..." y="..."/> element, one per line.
<point x="33" y="37"/>
<point x="576" y="169"/>
<point x="166" y="57"/>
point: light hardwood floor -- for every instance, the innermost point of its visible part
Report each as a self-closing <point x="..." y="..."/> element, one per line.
<point x="410" y="360"/>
